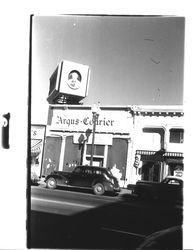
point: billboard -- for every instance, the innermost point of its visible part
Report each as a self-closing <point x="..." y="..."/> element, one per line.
<point x="69" y="83"/>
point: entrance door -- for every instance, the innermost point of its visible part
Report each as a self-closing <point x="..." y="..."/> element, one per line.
<point x="150" y="171"/>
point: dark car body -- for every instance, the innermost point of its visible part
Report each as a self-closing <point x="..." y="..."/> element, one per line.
<point x="99" y="179"/>
<point x="171" y="188"/>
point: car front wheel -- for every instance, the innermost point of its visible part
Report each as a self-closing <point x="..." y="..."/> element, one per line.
<point x="99" y="189"/>
<point x="51" y="183"/>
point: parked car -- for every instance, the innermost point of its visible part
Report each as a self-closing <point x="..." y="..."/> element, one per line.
<point x="99" y="179"/>
<point x="171" y="188"/>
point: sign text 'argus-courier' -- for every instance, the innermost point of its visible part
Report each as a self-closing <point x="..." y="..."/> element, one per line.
<point x="85" y="121"/>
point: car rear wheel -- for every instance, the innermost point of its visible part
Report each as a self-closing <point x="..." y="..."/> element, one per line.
<point x="99" y="189"/>
<point x="51" y="183"/>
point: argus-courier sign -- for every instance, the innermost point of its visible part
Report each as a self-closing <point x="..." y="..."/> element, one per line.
<point x="81" y="120"/>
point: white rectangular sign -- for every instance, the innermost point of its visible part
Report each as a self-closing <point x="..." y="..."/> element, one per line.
<point x="81" y="120"/>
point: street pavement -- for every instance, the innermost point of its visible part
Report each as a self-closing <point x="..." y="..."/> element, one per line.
<point x="66" y="219"/>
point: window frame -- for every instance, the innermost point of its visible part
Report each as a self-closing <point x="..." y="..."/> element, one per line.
<point x="178" y="138"/>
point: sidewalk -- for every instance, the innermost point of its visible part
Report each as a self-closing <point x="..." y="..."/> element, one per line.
<point x="125" y="191"/>
<point x="42" y="183"/>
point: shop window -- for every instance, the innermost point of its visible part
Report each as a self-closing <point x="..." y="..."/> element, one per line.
<point x="72" y="155"/>
<point x="176" y="135"/>
<point x="98" y="155"/>
<point x="175" y="169"/>
<point x="51" y="155"/>
<point x="117" y="158"/>
<point x="98" y="150"/>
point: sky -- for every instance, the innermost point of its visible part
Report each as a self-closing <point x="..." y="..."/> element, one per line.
<point x="133" y="60"/>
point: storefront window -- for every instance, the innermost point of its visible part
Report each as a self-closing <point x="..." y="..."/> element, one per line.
<point x="176" y="135"/>
<point x="72" y="155"/>
<point x="51" y="155"/>
<point x="98" y="150"/>
<point x="175" y="169"/>
<point x="98" y="155"/>
<point x="117" y="158"/>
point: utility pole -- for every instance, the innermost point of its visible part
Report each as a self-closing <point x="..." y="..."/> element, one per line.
<point x="95" y="115"/>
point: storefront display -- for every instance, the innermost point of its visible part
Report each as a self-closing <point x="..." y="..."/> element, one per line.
<point x="134" y="146"/>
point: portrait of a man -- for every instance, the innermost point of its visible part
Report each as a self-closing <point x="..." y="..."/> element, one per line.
<point x="74" y="79"/>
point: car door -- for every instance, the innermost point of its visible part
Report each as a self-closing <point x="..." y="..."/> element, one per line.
<point x="79" y="178"/>
<point x="76" y="177"/>
<point x="170" y="189"/>
<point x="88" y="178"/>
<point x="174" y="188"/>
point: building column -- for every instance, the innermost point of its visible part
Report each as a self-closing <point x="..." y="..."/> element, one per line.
<point x="61" y="162"/>
<point x="105" y="156"/>
<point x="166" y="143"/>
<point x="128" y="174"/>
<point x="84" y="153"/>
<point x="166" y="139"/>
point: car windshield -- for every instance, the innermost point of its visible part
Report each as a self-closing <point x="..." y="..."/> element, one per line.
<point x="77" y="170"/>
<point x="172" y="181"/>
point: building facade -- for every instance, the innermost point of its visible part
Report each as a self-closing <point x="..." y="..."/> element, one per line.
<point x="134" y="142"/>
<point x="159" y="142"/>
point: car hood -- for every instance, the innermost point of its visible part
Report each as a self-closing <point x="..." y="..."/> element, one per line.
<point x="148" y="182"/>
<point x="115" y="179"/>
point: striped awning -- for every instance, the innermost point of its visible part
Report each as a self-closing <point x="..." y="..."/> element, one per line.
<point x="166" y="154"/>
<point x="36" y="147"/>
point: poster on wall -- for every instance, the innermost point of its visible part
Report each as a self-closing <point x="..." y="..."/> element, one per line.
<point x="37" y="148"/>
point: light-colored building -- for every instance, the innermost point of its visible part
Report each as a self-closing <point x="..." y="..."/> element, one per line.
<point x="158" y="142"/>
<point x="69" y="138"/>
<point x="135" y="142"/>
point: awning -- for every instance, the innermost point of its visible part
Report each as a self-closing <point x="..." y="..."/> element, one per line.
<point x="175" y="160"/>
<point x="35" y="147"/>
<point x="170" y="157"/>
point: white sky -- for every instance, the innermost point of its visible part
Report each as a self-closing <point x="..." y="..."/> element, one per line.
<point x="133" y="60"/>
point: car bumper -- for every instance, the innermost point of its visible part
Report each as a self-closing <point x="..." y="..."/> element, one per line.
<point x="118" y="189"/>
<point x="109" y="187"/>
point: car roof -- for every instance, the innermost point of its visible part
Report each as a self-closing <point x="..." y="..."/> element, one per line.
<point x="92" y="167"/>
